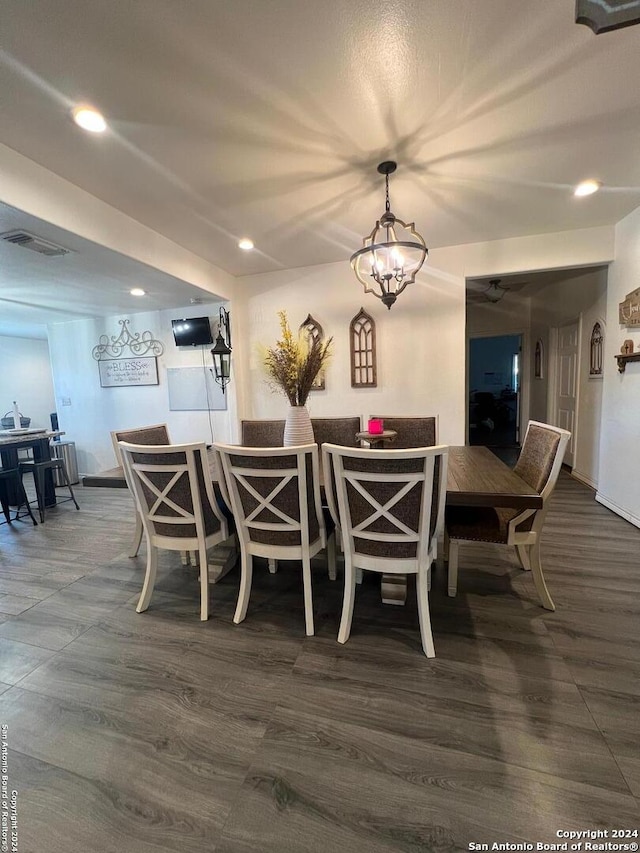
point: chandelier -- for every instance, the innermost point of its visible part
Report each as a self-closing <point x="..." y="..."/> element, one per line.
<point x="392" y="254"/>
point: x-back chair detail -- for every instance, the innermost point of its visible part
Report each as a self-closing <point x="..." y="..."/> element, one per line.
<point x="154" y="434"/>
<point x="275" y="497"/>
<point x="175" y="498"/>
<point x="387" y="502"/>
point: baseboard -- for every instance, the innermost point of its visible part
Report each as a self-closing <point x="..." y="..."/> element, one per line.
<point x="613" y="506"/>
<point x="584" y="479"/>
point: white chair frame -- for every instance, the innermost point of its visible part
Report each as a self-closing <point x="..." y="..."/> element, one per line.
<point x="231" y="474"/>
<point x="418" y="565"/>
<point x="136" y="474"/>
<point x="526" y="542"/>
<point x="139" y="529"/>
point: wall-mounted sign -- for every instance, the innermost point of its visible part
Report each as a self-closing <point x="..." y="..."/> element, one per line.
<point x="629" y="310"/>
<point x="118" y="372"/>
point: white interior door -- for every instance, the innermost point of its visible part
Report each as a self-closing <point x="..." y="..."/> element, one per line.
<point x="567" y="383"/>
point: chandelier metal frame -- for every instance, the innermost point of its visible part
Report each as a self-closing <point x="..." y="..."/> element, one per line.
<point x="366" y="262"/>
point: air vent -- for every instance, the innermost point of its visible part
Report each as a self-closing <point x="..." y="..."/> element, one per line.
<point x="36" y="244"/>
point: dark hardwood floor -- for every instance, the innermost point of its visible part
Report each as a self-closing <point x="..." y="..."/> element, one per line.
<point x="134" y="733"/>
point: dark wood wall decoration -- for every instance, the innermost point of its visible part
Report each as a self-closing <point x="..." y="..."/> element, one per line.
<point x="596" y="345"/>
<point x="362" y="344"/>
<point x="629" y="310"/>
<point x="605" y="15"/>
<point x="538" y="360"/>
<point x="314" y="332"/>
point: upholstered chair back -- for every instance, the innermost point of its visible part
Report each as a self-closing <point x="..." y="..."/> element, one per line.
<point x="412" y="431"/>
<point x="173" y="489"/>
<point x="262" y="433"/>
<point x="274" y="495"/>
<point x="340" y="431"/>
<point x="538" y="454"/>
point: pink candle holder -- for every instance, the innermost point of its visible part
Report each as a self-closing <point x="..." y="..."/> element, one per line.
<point x="375" y="426"/>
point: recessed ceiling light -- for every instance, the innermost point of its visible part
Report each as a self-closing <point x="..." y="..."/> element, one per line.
<point x="587" y="187"/>
<point x="138" y="291"/>
<point x="245" y="244"/>
<point x="89" y="119"/>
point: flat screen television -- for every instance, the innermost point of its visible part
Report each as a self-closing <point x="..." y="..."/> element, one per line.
<point x="192" y="331"/>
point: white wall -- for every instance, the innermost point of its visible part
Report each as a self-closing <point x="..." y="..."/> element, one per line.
<point x="619" y="484"/>
<point x="421" y="340"/>
<point x="95" y="411"/>
<point x="420" y="345"/>
<point x="26" y="377"/>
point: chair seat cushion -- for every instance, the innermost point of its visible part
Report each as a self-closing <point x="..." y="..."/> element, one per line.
<point x="479" y="524"/>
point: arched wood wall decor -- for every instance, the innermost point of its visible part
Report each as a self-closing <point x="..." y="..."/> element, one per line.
<point x="596" y="346"/>
<point x="314" y="332"/>
<point x="362" y="345"/>
<point x="538" y="359"/>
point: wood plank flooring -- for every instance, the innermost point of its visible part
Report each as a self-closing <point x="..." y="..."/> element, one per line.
<point x="156" y="732"/>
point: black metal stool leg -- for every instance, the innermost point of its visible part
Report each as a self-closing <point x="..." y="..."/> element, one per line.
<point x="5" y="508"/>
<point x="38" y="476"/>
<point x="63" y="468"/>
<point x="27" y="504"/>
<point x="23" y="500"/>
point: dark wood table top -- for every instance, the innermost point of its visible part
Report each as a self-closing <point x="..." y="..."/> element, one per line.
<point x="476" y="477"/>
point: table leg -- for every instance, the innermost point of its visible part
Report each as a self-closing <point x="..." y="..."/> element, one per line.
<point x="223" y="558"/>
<point x="394" y="589"/>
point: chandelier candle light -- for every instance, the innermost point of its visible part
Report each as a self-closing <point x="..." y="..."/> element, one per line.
<point x="388" y="262"/>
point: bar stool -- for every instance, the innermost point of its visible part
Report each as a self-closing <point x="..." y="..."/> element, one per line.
<point x="38" y="469"/>
<point x="11" y="477"/>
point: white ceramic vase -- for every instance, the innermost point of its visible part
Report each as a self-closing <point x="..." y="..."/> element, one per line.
<point x="297" y="427"/>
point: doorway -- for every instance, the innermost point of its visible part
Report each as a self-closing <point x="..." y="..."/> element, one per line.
<point x="566" y="395"/>
<point x="494" y="390"/>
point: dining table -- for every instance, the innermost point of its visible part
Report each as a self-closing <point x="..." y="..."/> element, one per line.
<point x="11" y="441"/>
<point x="475" y="477"/>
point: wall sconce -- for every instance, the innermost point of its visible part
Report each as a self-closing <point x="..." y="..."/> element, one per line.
<point x="221" y="352"/>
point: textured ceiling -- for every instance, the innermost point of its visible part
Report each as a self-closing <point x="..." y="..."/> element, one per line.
<point x="90" y="281"/>
<point x="268" y="117"/>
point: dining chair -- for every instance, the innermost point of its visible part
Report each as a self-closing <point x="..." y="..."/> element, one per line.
<point x="263" y="433"/>
<point x="175" y="498"/>
<point x="412" y="431"/>
<point x="275" y="498"/>
<point x="538" y="465"/>
<point x="340" y="431"/>
<point x="387" y="502"/>
<point x="155" y="434"/>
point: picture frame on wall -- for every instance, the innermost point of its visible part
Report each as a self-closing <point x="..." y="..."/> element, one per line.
<point x="538" y="360"/>
<point x="124" y="372"/>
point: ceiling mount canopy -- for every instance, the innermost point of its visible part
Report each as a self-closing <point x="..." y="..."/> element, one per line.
<point x="391" y="254"/>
